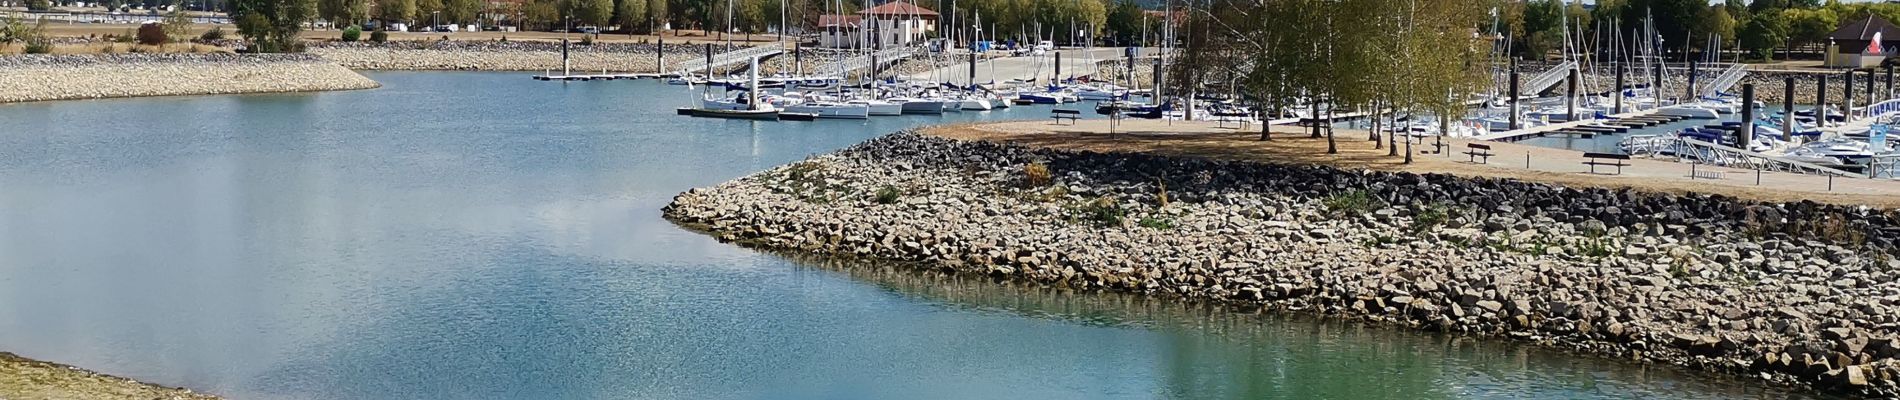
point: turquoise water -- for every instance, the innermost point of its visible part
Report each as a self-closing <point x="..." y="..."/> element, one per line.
<point x="483" y="235"/>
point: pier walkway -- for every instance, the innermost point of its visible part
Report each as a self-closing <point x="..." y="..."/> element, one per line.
<point x="1511" y="160"/>
<point x="734" y="57"/>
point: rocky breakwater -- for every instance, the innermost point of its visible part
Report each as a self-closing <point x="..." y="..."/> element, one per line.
<point x="1799" y="293"/>
<point x="501" y="55"/>
<point x="66" y="77"/>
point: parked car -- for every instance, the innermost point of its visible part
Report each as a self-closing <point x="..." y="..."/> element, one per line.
<point x="590" y="29"/>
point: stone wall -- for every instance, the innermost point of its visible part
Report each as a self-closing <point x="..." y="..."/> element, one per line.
<point x="1800" y="293"/>
<point x="66" y="77"/>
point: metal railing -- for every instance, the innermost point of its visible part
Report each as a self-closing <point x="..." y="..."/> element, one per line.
<point x="1662" y="146"/>
<point x="728" y="58"/>
<point x="1544" y="80"/>
<point x="1726" y="80"/>
<point x="862" y="61"/>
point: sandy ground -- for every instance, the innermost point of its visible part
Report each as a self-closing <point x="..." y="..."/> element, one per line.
<point x="1292" y="145"/>
<point x="25" y="379"/>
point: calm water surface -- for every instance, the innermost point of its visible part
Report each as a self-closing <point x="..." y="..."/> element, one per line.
<point x="483" y="235"/>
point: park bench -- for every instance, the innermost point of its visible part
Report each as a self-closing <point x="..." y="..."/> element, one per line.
<point x="1705" y="175"/>
<point x="1595" y="159"/>
<point x="1476" y="151"/>
<point x="1061" y="114"/>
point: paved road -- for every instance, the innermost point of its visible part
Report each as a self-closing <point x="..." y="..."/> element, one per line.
<point x="1074" y="63"/>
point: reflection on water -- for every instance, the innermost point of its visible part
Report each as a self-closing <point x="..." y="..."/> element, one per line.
<point x="1222" y="352"/>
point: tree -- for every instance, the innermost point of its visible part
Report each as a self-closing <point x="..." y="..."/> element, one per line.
<point x="541" y="13"/>
<point x="592" y="12"/>
<point x="343" y="12"/>
<point x="396" y="10"/>
<point x="1809" y="26"/>
<point x="656" y="13"/>
<point x="426" y="10"/>
<point x="1542" y="28"/>
<point x="1717" y="22"/>
<point x="461" y="11"/>
<point x="1764" y="33"/>
<point x="1124" y="22"/>
<point x="39" y="5"/>
<point x="271" y="26"/>
<point x="177" y="26"/>
<point x="1674" y="19"/>
<point x="631" y="15"/>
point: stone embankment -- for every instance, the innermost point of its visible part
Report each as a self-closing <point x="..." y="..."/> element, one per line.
<point x="499" y="55"/>
<point x="1799" y="293"/>
<point x="68" y="77"/>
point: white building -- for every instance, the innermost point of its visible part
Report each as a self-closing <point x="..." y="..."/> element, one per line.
<point x="892" y="24"/>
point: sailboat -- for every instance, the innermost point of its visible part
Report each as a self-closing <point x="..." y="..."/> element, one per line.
<point x="754" y="109"/>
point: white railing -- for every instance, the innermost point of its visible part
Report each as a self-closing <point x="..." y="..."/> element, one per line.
<point x="1726" y="80"/>
<point x="1669" y="146"/>
<point x="728" y="58"/>
<point x="863" y="61"/>
<point x="1544" y="80"/>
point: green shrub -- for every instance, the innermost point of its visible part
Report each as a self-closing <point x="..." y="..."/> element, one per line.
<point x="887" y="195"/>
<point x="1356" y="201"/>
<point x="352" y="34"/>
<point x="1430" y="217"/>
<point x="39" y="45"/>
<point x="1104" y="211"/>
<point x="587" y="40"/>
<point x="378" y="36"/>
<point x="1152" y="223"/>
<point x="152" y="35"/>
<point x="215" y="34"/>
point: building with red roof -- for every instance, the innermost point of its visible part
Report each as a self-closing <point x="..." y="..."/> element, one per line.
<point x="896" y="23"/>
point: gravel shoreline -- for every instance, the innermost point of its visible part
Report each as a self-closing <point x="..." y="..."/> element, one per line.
<point x="1797" y="293"/>
<point x="24" y="378"/>
<point x="67" y="77"/>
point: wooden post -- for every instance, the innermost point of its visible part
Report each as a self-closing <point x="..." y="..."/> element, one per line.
<point x="1747" y="133"/>
<point x="1058" y="76"/>
<point x="1689" y="91"/>
<point x="659" y="57"/>
<point x="1513" y="94"/>
<point x="1787" y="107"/>
<point x="1820" y="101"/>
<point x="1870" y="88"/>
<point x="1847" y="92"/>
<point x="1570" y="96"/>
<point x="1655" y="86"/>
<point x="1618" y="93"/>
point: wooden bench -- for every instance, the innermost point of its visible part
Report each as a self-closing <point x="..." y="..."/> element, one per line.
<point x="1475" y="151"/>
<point x="1061" y="114"/>
<point x="1595" y="159"/>
<point x="1705" y="175"/>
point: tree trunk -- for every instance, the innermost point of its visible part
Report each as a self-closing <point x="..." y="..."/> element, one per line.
<point x="1314" y="103"/>
<point x="1332" y="146"/>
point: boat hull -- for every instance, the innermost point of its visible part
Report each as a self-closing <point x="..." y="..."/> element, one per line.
<point x="923" y="107"/>
<point x="737" y="114"/>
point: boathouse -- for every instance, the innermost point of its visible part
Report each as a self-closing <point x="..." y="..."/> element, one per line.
<point x="897" y="23"/>
<point x="1862" y="42"/>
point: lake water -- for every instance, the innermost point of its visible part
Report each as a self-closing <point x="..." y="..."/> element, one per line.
<point x="483" y="235"/>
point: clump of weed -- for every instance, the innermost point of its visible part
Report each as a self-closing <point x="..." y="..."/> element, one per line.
<point x="1036" y="174"/>
<point x="1430" y="217"/>
<point x="1154" y="223"/>
<point x="1349" y="202"/>
<point x="887" y="195"/>
<point x="1103" y="211"/>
